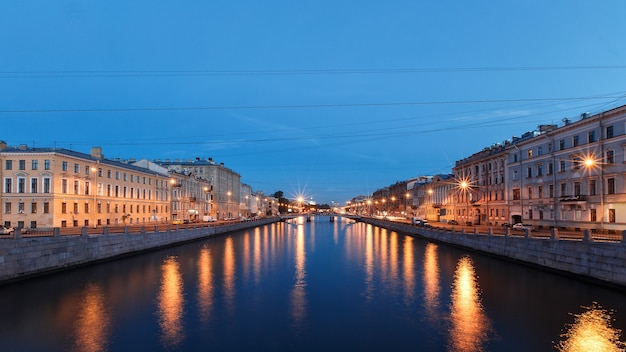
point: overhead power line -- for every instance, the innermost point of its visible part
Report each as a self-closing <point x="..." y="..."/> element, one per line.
<point x="307" y="106"/>
<point x="157" y="73"/>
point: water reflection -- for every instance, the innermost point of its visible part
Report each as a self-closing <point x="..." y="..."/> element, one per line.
<point x="369" y="262"/>
<point x="592" y="331"/>
<point x="469" y="323"/>
<point x="92" y="325"/>
<point x="170" y="302"/>
<point x="229" y="271"/>
<point x="256" y="255"/>
<point x="298" y="294"/>
<point x="408" y="270"/>
<point x="205" y="284"/>
<point x="431" y="281"/>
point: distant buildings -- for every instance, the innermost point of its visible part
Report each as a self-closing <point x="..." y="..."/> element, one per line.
<point x="50" y="187"/>
<point x="568" y="176"/>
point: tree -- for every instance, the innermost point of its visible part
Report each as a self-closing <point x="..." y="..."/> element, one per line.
<point x="283" y="203"/>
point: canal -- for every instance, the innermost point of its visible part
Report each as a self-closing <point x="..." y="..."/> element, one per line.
<point x="310" y="286"/>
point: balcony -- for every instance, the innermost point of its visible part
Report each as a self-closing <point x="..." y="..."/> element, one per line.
<point x="573" y="199"/>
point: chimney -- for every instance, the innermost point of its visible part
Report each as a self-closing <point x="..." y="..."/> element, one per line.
<point x="96" y="153"/>
<point x="3" y="145"/>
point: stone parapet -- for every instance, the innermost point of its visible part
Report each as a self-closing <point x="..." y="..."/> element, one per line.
<point x="604" y="262"/>
<point x="30" y="256"/>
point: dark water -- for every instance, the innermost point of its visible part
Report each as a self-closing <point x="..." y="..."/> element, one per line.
<point x="317" y="286"/>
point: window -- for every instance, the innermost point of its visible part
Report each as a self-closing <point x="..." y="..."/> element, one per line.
<point x="609" y="132"/>
<point x="539" y="170"/>
<point x="540" y="191"/>
<point x="529" y="172"/>
<point x="576" y="188"/>
<point x="117" y="175"/>
<point x="46" y="185"/>
<point x="530" y="153"/>
<point x="64" y="185"/>
<point x="87" y="190"/>
<point x="530" y="193"/>
<point x="610" y="157"/>
<point x="539" y="151"/>
<point x="33" y="185"/>
<point x="22" y="165"/>
<point x="86" y="208"/>
<point x="550" y="168"/>
<point x="8" y="165"/>
<point x="46" y="164"/>
<point x="514" y="158"/>
<point x="610" y="186"/>
<point x="575" y="141"/>
<point x="34" y="164"/>
<point x="611" y="215"/>
<point x="64" y="166"/>
<point x="64" y="208"/>
<point x="21" y="185"/>
<point x="7" y="208"/>
<point x="108" y="173"/>
<point x="516" y="194"/>
<point x="33" y="208"/>
<point x="592" y="187"/>
<point x="75" y="208"/>
<point x="99" y="172"/>
<point x="563" y="189"/>
<point x="562" y="166"/>
<point x="76" y="168"/>
<point x="76" y="187"/>
<point x="46" y="208"/>
<point x="551" y="191"/>
<point x="87" y="170"/>
<point x="591" y="136"/>
<point x="562" y="144"/>
<point x="592" y="213"/>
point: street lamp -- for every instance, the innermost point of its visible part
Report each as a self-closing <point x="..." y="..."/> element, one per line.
<point x="94" y="169"/>
<point x="591" y="163"/>
<point x="464" y="186"/>
<point x="228" y="204"/>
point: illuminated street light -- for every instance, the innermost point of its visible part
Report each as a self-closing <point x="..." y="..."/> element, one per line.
<point x="590" y="163"/>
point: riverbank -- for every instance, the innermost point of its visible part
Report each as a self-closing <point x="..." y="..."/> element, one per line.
<point x="25" y="257"/>
<point x="603" y="262"/>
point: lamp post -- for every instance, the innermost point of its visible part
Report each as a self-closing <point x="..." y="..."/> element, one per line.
<point x="465" y="187"/>
<point x="591" y="163"/>
<point x="228" y="204"/>
<point x="94" y="190"/>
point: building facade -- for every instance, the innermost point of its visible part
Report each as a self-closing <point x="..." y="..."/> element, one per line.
<point x="571" y="176"/>
<point x="224" y="184"/>
<point x="49" y="187"/>
<point x="481" y="189"/>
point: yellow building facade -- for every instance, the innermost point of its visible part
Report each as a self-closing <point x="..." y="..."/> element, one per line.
<point x="50" y="187"/>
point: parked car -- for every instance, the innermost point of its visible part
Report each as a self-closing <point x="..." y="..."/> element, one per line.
<point x="178" y="222"/>
<point x="4" y="230"/>
<point x="453" y="222"/>
<point x="521" y="227"/>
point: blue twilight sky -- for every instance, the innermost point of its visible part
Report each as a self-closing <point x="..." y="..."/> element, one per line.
<point x="332" y="99"/>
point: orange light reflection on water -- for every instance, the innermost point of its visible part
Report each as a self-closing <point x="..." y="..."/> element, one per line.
<point x="92" y="325"/>
<point x="205" y="284"/>
<point x="469" y="323"/>
<point x="171" y="303"/>
<point x="431" y="281"/>
<point x="591" y="332"/>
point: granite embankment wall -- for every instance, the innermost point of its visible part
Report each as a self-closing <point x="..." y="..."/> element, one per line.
<point x="31" y="256"/>
<point x="604" y="262"/>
